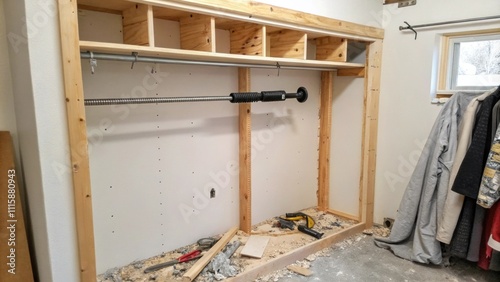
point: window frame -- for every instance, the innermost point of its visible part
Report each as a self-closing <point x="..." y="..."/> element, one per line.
<point x="448" y="59"/>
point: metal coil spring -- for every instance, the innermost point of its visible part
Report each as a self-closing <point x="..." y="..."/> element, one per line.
<point x="152" y="100"/>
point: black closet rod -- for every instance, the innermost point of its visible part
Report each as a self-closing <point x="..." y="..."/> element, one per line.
<point x="242" y="97"/>
<point x="411" y="27"/>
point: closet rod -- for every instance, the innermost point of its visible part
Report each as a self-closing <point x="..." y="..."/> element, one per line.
<point x="242" y="97"/>
<point x="134" y="58"/>
<point x="448" y="22"/>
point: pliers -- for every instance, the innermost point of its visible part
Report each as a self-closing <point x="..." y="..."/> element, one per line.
<point x="204" y="243"/>
<point x="184" y="258"/>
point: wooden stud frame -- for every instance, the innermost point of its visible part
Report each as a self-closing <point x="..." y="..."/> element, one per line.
<point x="77" y="129"/>
<point x="260" y="13"/>
<point x="325" y="133"/>
<point x="245" y="133"/>
<point x="370" y="128"/>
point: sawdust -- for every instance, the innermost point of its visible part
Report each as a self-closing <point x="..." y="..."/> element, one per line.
<point x="281" y="242"/>
<point x="378" y="230"/>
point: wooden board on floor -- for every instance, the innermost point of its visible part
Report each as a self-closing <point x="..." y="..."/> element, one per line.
<point x="191" y="274"/>
<point x="299" y="270"/>
<point x="298" y="254"/>
<point x="15" y="263"/>
<point x="255" y="246"/>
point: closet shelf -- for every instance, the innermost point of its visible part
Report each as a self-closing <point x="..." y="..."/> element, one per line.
<point x="127" y="49"/>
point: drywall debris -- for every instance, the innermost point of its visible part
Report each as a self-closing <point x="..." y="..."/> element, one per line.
<point x="138" y="265"/>
<point x="311" y="257"/>
<point x="112" y="275"/>
<point x="220" y="267"/>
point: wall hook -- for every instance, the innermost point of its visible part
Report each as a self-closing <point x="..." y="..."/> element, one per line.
<point x="136" y="55"/>
<point x="408" y="26"/>
<point x="93" y="63"/>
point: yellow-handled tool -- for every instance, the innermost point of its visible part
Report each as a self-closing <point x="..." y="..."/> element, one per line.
<point x="296" y="216"/>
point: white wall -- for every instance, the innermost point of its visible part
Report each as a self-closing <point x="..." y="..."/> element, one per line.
<point x="7" y="112"/>
<point x="35" y="60"/>
<point x="366" y="12"/>
<point x="406" y="114"/>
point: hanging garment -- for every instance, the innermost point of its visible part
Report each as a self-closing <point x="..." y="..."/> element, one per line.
<point x="470" y="173"/>
<point x="454" y="201"/>
<point x="489" y="191"/>
<point x="413" y="235"/>
<point x="480" y="214"/>
<point x="490" y="236"/>
<point x="477" y="232"/>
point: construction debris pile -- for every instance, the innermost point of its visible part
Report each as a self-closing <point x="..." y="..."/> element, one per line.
<point x="237" y="251"/>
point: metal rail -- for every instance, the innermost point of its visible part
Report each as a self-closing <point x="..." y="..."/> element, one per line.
<point x="448" y="22"/>
<point x="243" y="97"/>
<point x="135" y="58"/>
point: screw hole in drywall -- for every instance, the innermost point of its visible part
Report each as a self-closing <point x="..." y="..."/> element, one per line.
<point x="212" y="193"/>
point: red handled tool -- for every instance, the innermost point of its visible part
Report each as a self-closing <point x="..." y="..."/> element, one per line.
<point x="203" y="243"/>
<point x="184" y="258"/>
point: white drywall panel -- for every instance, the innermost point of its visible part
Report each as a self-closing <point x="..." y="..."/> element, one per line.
<point x="90" y="22"/>
<point x="284" y="145"/>
<point x="366" y="12"/>
<point x="167" y="34"/>
<point x="345" y="157"/>
<point x="152" y="166"/>
<point x="35" y="59"/>
<point x="408" y="65"/>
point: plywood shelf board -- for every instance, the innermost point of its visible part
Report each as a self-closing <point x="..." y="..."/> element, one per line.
<point x="331" y="49"/>
<point x="116" y="48"/>
<point x="357" y="72"/>
<point x="138" y="25"/>
<point x="247" y="39"/>
<point x="197" y="33"/>
<point x="271" y="15"/>
<point x="288" y="44"/>
<point x="108" y="5"/>
<point x="169" y="14"/>
<point x="251" y="12"/>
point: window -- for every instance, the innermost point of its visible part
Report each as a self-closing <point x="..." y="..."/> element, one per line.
<point x="470" y="61"/>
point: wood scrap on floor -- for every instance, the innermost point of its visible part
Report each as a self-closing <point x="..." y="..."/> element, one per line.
<point x="300" y="270"/>
<point x="255" y="246"/>
<point x="191" y="274"/>
<point x="281" y="242"/>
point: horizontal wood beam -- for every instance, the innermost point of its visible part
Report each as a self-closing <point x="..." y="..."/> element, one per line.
<point x="127" y="49"/>
<point x="254" y="11"/>
<point x="343" y="214"/>
<point x="358" y="72"/>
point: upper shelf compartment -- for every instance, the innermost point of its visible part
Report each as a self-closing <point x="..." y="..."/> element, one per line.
<point x="177" y="27"/>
